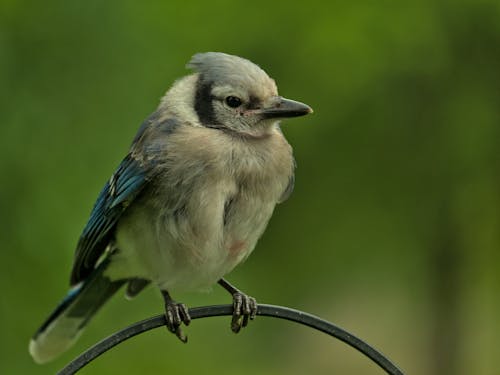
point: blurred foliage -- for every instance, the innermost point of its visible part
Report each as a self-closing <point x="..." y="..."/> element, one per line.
<point x="393" y="229"/>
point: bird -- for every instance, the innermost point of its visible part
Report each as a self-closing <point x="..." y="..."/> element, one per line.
<point x="187" y="203"/>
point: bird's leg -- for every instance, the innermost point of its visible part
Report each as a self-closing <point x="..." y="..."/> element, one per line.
<point x="175" y="315"/>
<point x="244" y="307"/>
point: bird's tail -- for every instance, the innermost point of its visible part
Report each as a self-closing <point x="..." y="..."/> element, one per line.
<point x="63" y="327"/>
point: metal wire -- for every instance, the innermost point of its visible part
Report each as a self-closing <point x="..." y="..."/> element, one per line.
<point x="221" y="310"/>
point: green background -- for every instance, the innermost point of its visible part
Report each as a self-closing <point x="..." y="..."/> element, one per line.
<point x="392" y="231"/>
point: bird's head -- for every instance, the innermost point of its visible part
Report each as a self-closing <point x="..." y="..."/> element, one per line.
<point x="234" y="94"/>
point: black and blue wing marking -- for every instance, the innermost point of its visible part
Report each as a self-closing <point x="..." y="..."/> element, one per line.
<point x="122" y="188"/>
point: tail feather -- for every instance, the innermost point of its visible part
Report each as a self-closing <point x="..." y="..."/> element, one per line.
<point x="63" y="327"/>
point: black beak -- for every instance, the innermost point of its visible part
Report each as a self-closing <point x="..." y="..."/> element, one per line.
<point x="284" y="108"/>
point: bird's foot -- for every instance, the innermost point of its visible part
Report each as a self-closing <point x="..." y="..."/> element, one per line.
<point x="244" y="308"/>
<point x="175" y="315"/>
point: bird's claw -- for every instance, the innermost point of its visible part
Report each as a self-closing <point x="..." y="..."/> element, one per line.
<point x="175" y="315"/>
<point x="244" y="308"/>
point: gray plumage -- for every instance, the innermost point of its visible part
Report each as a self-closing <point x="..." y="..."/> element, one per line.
<point x="192" y="197"/>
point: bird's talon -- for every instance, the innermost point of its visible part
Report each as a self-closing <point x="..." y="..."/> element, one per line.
<point x="236" y="324"/>
<point x="244" y="323"/>
<point x="253" y="308"/>
<point x="184" y="314"/>
<point x="237" y="304"/>
<point x="180" y="335"/>
<point x="244" y="308"/>
<point x="175" y="315"/>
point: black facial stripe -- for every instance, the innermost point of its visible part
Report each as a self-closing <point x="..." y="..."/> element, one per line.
<point x="203" y="103"/>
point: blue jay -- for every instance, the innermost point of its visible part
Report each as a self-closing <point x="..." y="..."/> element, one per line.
<point x="187" y="203"/>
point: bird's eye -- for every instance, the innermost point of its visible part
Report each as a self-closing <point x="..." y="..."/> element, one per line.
<point x="233" y="101"/>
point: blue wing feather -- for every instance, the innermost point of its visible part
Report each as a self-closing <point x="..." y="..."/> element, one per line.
<point x="128" y="180"/>
<point x="122" y="188"/>
<point x="130" y="185"/>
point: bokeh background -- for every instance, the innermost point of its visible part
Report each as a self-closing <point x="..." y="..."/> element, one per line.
<point x="392" y="231"/>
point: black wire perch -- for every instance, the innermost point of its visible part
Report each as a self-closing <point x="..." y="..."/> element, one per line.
<point x="221" y="310"/>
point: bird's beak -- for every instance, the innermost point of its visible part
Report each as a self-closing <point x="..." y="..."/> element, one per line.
<point x="284" y="108"/>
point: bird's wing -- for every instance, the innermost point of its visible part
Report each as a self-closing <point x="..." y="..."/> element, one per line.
<point x="291" y="184"/>
<point x="123" y="187"/>
<point x="129" y="179"/>
<point x="289" y="189"/>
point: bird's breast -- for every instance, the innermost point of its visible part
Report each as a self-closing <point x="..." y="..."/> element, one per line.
<point x="208" y="207"/>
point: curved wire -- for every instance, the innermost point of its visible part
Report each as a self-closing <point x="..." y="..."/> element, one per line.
<point x="279" y="312"/>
